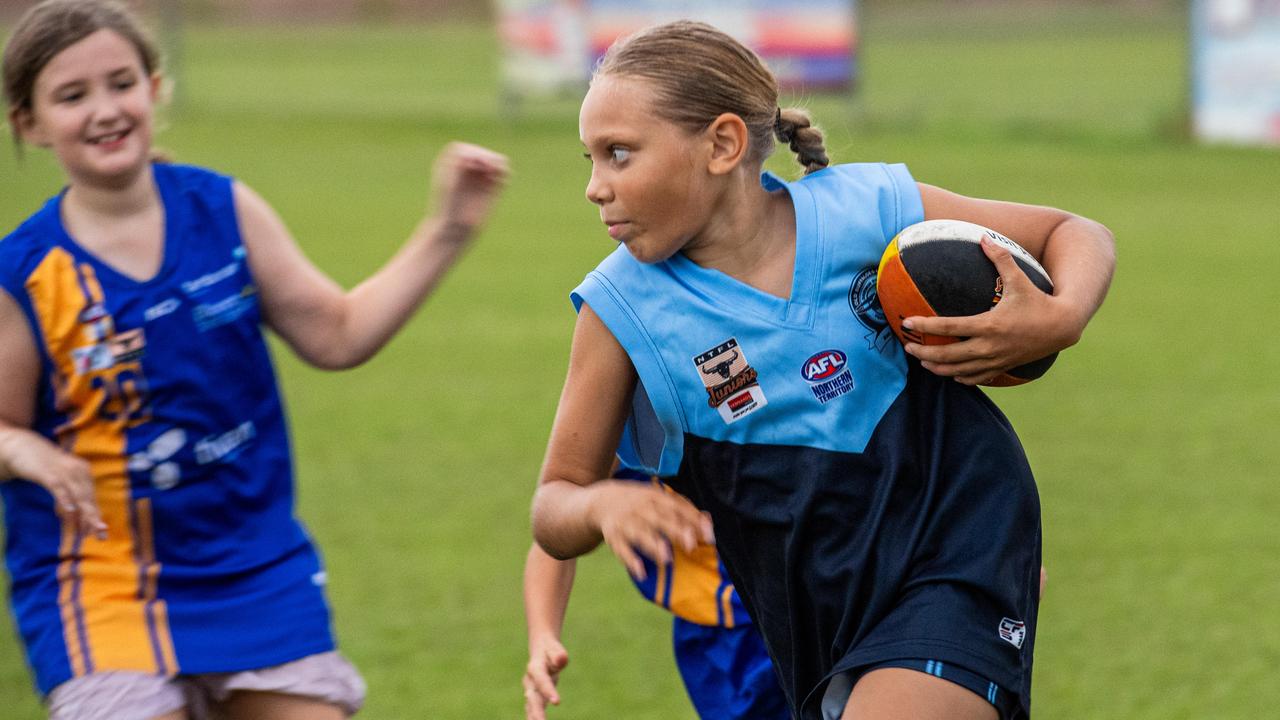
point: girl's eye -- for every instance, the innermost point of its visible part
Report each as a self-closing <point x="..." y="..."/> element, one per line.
<point x="619" y="154"/>
<point x="69" y="97"/>
<point x="125" y="84"/>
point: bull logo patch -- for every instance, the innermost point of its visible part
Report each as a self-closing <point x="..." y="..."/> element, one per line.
<point x="732" y="385"/>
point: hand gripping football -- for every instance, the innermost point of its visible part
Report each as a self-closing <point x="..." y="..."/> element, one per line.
<point x="937" y="268"/>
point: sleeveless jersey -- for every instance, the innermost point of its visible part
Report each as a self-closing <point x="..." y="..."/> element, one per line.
<point x="694" y="585"/>
<point x="842" y="480"/>
<point x="166" y="388"/>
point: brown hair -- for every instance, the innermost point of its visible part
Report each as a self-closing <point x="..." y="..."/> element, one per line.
<point x="54" y="25"/>
<point x="700" y="73"/>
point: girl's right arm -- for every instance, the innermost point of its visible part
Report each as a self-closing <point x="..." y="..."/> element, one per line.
<point x="547" y="584"/>
<point x="574" y="509"/>
<point x="24" y="453"/>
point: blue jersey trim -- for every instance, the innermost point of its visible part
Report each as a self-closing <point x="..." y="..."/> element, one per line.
<point x="598" y="292"/>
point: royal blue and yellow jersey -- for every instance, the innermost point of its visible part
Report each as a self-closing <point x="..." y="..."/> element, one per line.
<point x="865" y="509"/>
<point x="166" y="388"/>
<point x="694" y="585"/>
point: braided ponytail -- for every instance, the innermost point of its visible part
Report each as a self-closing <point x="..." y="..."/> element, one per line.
<point x="794" y="128"/>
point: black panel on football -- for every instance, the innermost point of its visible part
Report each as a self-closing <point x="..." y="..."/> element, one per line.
<point x="957" y="278"/>
<point x="954" y="275"/>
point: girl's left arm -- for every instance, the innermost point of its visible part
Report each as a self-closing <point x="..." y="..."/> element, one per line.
<point x="334" y="329"/>
<point x="1079" y="255"/>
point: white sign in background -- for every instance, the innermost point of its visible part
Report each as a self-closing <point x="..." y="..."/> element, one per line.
<point x="1235" y="71"/>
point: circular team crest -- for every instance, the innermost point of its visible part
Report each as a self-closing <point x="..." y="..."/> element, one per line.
<point x="866" y="307"/>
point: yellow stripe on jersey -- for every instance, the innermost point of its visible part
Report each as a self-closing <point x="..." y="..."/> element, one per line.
<point x="726" y="605"/>
<point x="105" y="586"/>
<point x="695" y="584"/>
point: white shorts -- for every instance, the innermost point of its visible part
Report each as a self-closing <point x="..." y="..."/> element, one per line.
<point x="326" y="677"/>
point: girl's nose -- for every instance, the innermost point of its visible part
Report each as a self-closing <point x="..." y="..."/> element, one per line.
<point x="597" y="190"/>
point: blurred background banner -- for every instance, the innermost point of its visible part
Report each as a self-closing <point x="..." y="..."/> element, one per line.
<point x="1236" y="70"/>
<point x="544" y="45"/>
<point x="552" y="44"/>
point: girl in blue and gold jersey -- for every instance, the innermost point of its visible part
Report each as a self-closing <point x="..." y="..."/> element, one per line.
<point x="721" y="658"/>
<point x="880" y="521"/>
<point x="156" y="565"/>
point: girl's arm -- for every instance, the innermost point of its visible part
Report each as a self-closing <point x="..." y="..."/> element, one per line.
<point x="1079" y="255"/>
<point x="26" y="454"/>
<point x="333" y="329"/>
<point x="574" y="509"/>
<point x="547" y="584"/>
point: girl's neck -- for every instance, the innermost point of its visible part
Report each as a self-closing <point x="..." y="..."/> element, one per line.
<point x="115" y="201"/>
<point x="751" y="237"/>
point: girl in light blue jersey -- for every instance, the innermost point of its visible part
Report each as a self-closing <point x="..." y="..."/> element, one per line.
<point x="878" y="519"/>
<point x="157" y="569"/>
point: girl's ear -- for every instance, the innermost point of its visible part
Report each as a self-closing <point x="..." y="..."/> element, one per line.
<point x="157" y="86"/>
<point x="730" y="141"/>
<point x="23" y="122"/>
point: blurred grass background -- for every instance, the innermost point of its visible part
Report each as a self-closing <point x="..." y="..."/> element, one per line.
<point x="1154" y="440"/>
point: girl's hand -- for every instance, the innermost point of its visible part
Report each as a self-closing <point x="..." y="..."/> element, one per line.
<point x="635" y="518"/>
<point x="547" y="657"/>
<point x="1025" y="325"/>
<point x="67" y="478"/>
<point x="466" y="181"/>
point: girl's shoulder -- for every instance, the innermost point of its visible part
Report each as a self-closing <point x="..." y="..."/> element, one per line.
<point x="864" y="191"/>
<point x="191" y="177"/>
<point x="30" y="238"/>
<point x="191" y="188"/>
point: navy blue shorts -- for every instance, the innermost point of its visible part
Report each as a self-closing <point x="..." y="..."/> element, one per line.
<point x="728" y="673"/>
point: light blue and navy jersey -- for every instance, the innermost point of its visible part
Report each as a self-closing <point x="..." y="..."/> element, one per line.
<point x="166" y="388"/>
<point x="694" y="585"/>
<point x="841" y="479"/>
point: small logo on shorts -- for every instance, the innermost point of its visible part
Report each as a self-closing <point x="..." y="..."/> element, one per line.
<point x="1013" y="632"/>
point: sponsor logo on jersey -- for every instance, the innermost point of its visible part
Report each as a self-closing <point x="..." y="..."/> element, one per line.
<point x="92" y="358"/>
<point x="204" y="281"/>
<point x="1013" y="631"/>
<point x="828" y="375"/>
<point x="732" y="385"/>
<point x="128" y="345"/>
<point x="118" y="349"/>
<point x="224" y="311"/>
<point x="219" y="447"/>
<point x="160" y="309"/>
<point x="157" y="459"/>
<point x="865" y="305"/>
<point x="96" y="311"/>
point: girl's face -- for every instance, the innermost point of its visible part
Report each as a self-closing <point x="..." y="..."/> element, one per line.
<point x="92" y="106"/>
<point x="648" y="175"/>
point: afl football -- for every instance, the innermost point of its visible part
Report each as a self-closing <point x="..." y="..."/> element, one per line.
<point x="938" y="268"/>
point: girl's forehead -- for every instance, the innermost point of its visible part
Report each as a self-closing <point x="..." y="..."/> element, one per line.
<point x="617" y="104"/>
<point x="101" y="51"/>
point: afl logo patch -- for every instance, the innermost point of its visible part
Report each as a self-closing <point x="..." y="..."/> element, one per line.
<point x="823" y="365"/>
<point x="828" y="375"/>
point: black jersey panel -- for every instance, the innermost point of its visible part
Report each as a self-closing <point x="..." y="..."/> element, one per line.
<point x="824" y="546"/>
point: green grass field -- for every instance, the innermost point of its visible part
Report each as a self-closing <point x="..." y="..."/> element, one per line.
<point x="1154" y="440"/>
